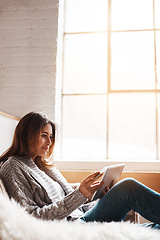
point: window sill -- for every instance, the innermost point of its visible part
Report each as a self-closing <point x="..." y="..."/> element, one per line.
<point x="93" y="165"/>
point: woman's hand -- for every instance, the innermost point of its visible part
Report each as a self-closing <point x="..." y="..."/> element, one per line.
<point x="108" y="188"/>
<point x="90" y="185"/>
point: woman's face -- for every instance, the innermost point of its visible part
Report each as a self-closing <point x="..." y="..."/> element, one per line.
<point x="44" y="142"/>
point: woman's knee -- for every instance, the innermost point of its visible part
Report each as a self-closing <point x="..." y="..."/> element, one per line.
<point x="128" y="183"/>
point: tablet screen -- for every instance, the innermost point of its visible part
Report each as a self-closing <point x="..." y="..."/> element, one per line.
<point x="111" y="173"/>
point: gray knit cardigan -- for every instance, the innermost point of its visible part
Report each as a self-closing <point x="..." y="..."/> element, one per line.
<point x="46" y="195"/>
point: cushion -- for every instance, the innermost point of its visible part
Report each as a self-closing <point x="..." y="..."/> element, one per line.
<point x="17" y="224"/>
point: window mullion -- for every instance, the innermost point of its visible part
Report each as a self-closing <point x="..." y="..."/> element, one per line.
<point x="155" y="67"/>
<point x="108" y="76"/>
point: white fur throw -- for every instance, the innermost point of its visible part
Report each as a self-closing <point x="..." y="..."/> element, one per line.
<point x="16" y="224"/>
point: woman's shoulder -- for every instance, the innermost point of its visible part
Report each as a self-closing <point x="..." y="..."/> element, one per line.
<point x="13" y="168"/>
<point x="13" y="162"/>
<point x="8" y="168"/>
<point x="9" y="161"/>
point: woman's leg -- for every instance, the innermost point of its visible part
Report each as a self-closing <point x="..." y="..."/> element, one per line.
<point x="126" y="195"/>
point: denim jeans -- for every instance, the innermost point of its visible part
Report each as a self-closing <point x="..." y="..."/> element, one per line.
<point x="124" y="196"/>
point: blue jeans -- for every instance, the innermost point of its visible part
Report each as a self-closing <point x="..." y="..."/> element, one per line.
<point x="124" y="196"/>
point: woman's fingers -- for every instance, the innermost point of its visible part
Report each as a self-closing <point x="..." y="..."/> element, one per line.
<point x="89" y="188"/>
<point x="90" y="184"/>
<point x="112" y="184"/>
<point x="96" y="185"/>
<point x="93" y="177"/>
<point x="106" y="189"/>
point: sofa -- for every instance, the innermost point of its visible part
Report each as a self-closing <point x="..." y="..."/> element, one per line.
<point x="17" y="224"/>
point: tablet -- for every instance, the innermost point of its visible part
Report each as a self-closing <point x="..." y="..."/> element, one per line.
<point x="111" y="173"/>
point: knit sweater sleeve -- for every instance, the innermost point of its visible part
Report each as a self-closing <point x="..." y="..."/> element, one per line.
<point x="19" y="188"/>
<point x="55" y="174"/>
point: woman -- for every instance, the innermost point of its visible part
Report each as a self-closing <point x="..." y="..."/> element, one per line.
<point x="33" y="181"/>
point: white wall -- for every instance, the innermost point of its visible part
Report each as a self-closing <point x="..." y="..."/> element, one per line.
<point x="28" y="34"/>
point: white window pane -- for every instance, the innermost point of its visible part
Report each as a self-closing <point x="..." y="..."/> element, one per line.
<point x="157" y="15"/>
<point x="85" y="63"/>
<point x="132" y="64"/>
<point x="86" y="15"/>
<point x="129" y="15"/>
<point x="84" y="127"/>
<point x="132" y="126"/>
<point x="158" y="57"/>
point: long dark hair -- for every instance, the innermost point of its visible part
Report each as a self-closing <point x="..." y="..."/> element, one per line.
<point x="26" y="134"/>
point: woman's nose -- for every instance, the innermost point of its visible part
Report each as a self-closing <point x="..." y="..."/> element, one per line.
<point x="48" y="141"/>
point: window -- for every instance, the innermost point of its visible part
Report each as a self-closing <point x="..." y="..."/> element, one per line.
<point x="110" y="90"/>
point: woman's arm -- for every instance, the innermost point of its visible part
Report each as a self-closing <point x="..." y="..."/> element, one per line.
<point x="87" y="187"/>
<point x="56" y="175"/>
<point x="20" y="189"/>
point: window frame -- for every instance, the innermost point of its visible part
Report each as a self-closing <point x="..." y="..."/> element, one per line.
<point x="85" y="164"/>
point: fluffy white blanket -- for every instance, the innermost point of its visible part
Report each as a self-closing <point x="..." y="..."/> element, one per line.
<point x="16" y="224"/>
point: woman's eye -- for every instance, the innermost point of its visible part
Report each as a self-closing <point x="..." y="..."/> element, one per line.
<point x="43" y="135"/>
